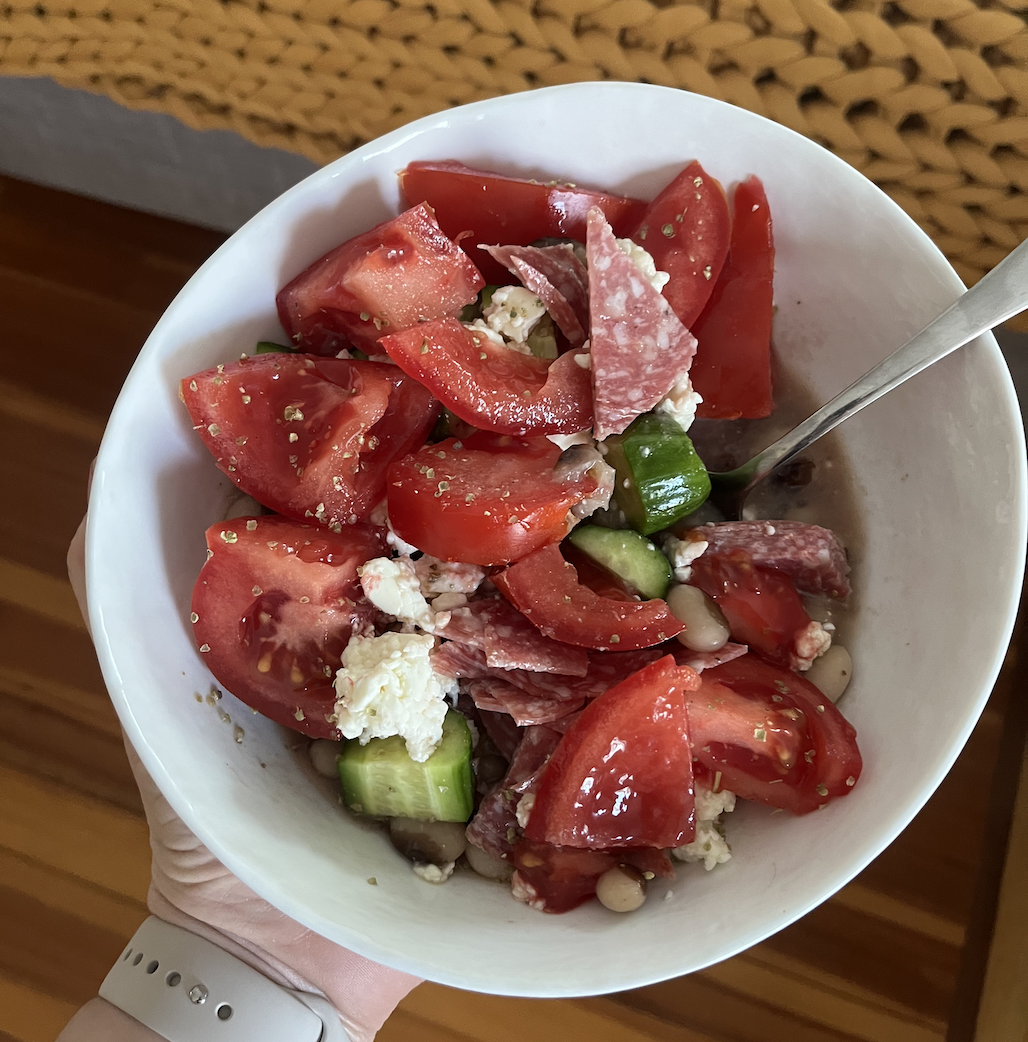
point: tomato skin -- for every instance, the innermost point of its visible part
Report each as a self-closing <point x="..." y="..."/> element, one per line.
<point x="446" y="498"/>
<point x="500" y="210"/>
<point x="809" y="756"/>
<point x="732" y="367"/>
<point x="761" y="605"/>
<point x="545" y="588"/>
<point x="402" y="271"/>
<point x="350" y="420"/>
<point x="694" y="208"/>
<point x="489" y="385"/>
<point x="600" y="790"/>
<point x="267" y="569"/>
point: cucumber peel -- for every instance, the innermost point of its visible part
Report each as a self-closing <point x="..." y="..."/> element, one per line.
<point x="660" y="478"/>
<point x="380" y="780"/>
<point x="630" y="556"/>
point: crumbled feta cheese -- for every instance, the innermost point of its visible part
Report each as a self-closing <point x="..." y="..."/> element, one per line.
<point x="710" y="845"/>
<point x="513" y="312"/>
<point x="811" y="643"/>
<point x="565" y="441"/>
<point x="680" y="402"/>
<point x="478" y="326"/>
<point x="524" y="809"/>
<point x="438" y="577"/>
<point x="392" y="586"/>
<point x="387" y="686"/>
<point x="681" y="553"/>
<point x="644" y="262"/>
<point x="523" y="891"/>
<point x="434" y="873"/>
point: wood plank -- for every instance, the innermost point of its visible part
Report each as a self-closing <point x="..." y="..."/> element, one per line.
<point x="97" y="842"/>
<point x="38" y="592"/>
<point x="1003" y="1013"/>
<point x="30" y="1015"/>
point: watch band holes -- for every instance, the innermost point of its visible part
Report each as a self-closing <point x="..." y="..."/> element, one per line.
<point x="151" y="967"/>
<point x="138" y="959"/>
<point x="128" y="952"/>
<point x="224" y="1011"/>
<point x="173" y="979"/>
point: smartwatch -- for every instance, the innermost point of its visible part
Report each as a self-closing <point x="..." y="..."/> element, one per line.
<point x="187" y="989"/>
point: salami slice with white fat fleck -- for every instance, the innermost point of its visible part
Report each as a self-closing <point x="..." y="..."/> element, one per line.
<point x="495" y="826"/>
<point x="510" y="641"/>
<point x="639" y="346"/>
<point x="558" y="278"/>
<point x="526" y="710"/>
<point x="811" y="556"/>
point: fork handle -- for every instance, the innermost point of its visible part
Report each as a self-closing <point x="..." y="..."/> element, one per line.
<point x="999" y="295"/>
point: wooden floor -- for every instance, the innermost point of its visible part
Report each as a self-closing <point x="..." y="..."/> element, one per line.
<point x="897" y="956"/>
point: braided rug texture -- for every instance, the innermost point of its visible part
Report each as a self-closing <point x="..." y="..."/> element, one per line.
<point x="928" y="98"/>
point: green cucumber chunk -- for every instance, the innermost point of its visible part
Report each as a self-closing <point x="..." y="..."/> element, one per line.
<point x="474" y="310"/>
<point x="629" y="555"/>
<point x="266" y="347"/>
<point x="380" y="779"/>
<point x="542" y="341"/>
<point x="660" y="479"/>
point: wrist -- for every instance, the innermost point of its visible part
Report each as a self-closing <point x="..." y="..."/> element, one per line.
<point x="185" y="987"/>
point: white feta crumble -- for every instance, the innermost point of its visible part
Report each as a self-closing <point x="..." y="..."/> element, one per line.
<point x="522" y="890"/>
<point x="680" y="402"/>
<point x="811" y="643"/>
<point x="392" y="586"/>
<point x="710" y="845"/>
<point x="387" y="686"/>
<point x="681" y="553"/>
<point x="645" y="263"/>
<point x="524" y="809"/>
<point x="434" y="873"/>
<point x="513" y="312"/>
<point x="439" y="577"/>
<point x="478" y="326"/>
<point x="565" y="441"/>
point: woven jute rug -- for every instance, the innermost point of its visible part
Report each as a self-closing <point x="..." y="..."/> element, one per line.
<point x="928" y="98"/>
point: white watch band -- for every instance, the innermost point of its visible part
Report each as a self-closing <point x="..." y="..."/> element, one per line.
<point x="187" y="989"/>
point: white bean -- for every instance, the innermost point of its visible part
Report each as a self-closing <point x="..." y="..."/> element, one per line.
<point x="831" y="672"/>
<point x="487" y="865"/>
<point x="705" y="626"/>
<point x="621" y="889"/>
<point x="244" y="506"/>
<point x="324" y="757"/>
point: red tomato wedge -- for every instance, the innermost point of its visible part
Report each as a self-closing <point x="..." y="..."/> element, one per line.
<point x="772" y="736"/>
<point x="760" y="604"/>
<point x="600" y="788"/>
<point x="491" y="386"/>
<point x="685" y="230"/>
<point x="274" y="607"/>
<point x="732" y="367"/>
<point x="505" y="211"/>
<point x="309" y="437"/>
<point x="482" y="506"/>
<point x="545" y="588"/>
<point x="403" y="271"/>
<point x="562" y="878"/>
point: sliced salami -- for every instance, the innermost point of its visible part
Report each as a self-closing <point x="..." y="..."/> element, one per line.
<point x="558" y="278"/>
<point x="809" y="555"/>
<point x="639" y="346"/>
<point x="526" y="710"/>
<point x="505" y="734"/>
<point x="494" y="828"/>
<point x="510" y="641"/>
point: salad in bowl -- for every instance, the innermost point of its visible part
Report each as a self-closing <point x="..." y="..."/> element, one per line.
<point x="569" y="681"/>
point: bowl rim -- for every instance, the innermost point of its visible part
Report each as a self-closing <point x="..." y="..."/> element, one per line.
<point x="194" y="818"/>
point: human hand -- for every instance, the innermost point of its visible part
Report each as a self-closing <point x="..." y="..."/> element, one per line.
<point x="192" y="889"/>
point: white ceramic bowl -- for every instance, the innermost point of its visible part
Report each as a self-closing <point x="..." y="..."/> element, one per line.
<point x="939" y="469"/>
